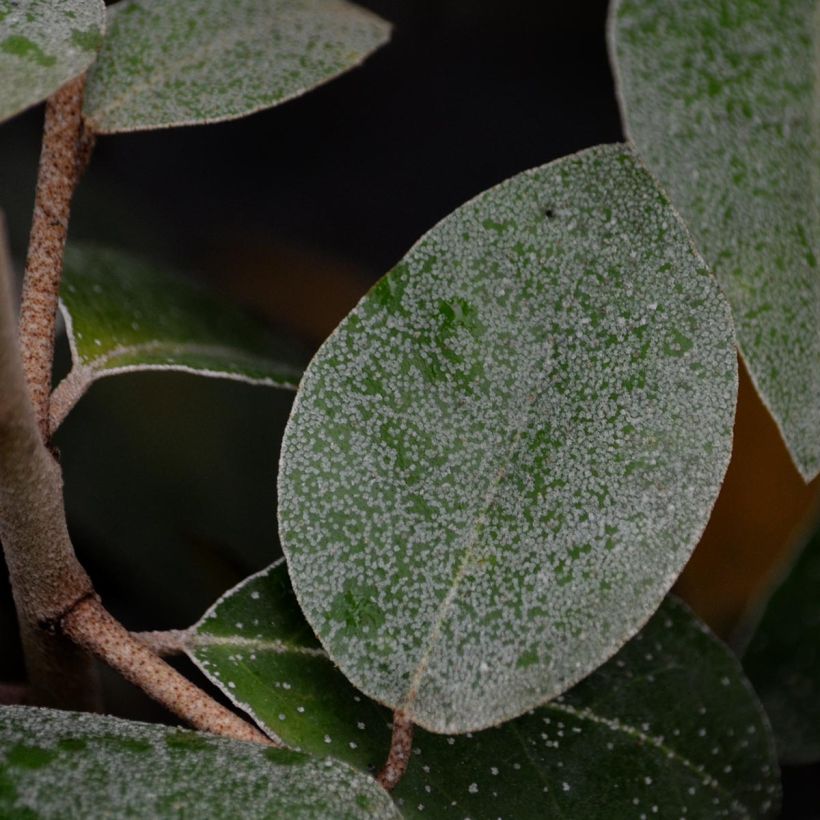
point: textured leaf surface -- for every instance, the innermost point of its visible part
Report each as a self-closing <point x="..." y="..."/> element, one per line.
<point x="500" y="461"/>
<point x="123" y="314"/>
<point x="203" y="61"/>
<point x="60" y="764"/>
<point x="669" y="723"/>
<point x="783" y="658"/>
<point x="43" y="45"/>
<point x="721" y="100"/>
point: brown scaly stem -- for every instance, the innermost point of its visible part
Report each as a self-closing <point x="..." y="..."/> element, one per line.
<point x="91" y="627"/>
<point x="46" y="578"/>
<point x="59" y="612"/>
<point x="64" y="155"/>
<point x="401" y="746"/>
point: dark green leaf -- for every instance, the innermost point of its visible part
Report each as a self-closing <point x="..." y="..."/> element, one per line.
<point x="669" y="723"/>
<point x="123" y="315"/>
<point x="173" y="63"/>
<point x="783" y="658"/>
<point x="63" y="764"/>
<point x="721" y="99"/>
<point x="498" y="464"/>
<point x="43" y="45"/>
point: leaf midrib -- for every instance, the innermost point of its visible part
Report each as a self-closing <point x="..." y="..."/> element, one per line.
<point x="204" y="640"/>
<point x="473" y="537"/>
<point x="101" y="363"/>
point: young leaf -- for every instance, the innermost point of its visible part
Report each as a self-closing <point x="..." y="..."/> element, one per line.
<point x="721" y="100"/>
<point x="669" y="723"/>
<point x="783" y="661"/>
<point x="123" y="314"/>
<point x="500" y="461"/>
<point x="43" y="45"/>
<point x="105" y="767"/>
<point x="166" y="64"/>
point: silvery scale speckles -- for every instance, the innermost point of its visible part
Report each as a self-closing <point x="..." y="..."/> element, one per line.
<point x="498" y="464"/>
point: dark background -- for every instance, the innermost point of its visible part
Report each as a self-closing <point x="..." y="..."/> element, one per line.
<point x="294" y="212"/>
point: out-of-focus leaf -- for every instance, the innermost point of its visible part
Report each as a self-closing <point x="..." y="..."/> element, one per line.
<point x="500" y="461"/>
<point x="60" y="764"/>
<point x="782" y="658"/>
<point x="168" y="484"/>
<point x="669" y="723"/>
<point x="721" y="100"/>
<point x="123" y="315"/>
<point x="166" y="64"/>
<point x="43" y="45"/>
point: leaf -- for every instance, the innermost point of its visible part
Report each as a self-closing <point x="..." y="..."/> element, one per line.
<point x="123" y="314"/>
<point x="670" y="722"/>
<point x="498" y="464"/>
<point x="43" y="45"/>
<point x="721" y="100"/>
<point x="166" y="64"/>
<point x="105" y="767"/>
<point x="783" y="661"/>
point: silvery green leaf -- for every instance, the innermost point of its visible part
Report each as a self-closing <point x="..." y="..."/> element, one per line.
<point x="200" y="61"/>
<point x="669" y="723"/>
<point x="124" y="314"/>
<point x="43" y="45"/>
<point x="721" y="100"/>
<point x="66" y="764"/>
<point x="498" y="464"/>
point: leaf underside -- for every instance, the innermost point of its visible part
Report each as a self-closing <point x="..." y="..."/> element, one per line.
<point x="783" y="661"/>
<point x="43" y="45"/>
<point x="721" y="100"/>
<point x="166" y="64"/>
<point x="123" y="314"/>
<point x="498" y="464"/>
<point x="669" y="723"/>
<point x="56" y="764"/>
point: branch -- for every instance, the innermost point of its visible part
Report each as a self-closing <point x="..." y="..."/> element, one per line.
<point x="66" y="395"/>
<point x="54" y="597"/>
<point x="65" y="153"/>
<point x="401" y="745"/>
<point x="90" y="626"/>
<point x="46" y="578"/>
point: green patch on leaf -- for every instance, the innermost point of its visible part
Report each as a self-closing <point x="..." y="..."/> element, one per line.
<point x="20" y="46"/>
<point x="39" y="51"/>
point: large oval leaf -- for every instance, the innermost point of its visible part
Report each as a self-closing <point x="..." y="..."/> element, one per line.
<point x="124" y="314"/>
<point x="60" y="764"/>
<point x="201" y="61"/>
<point x="782" y="658"/>
<point x="670" y="722"/>
<point x="500" y="461"/>
<point x="721" y="99"/>
<point x="43" y="45"/>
